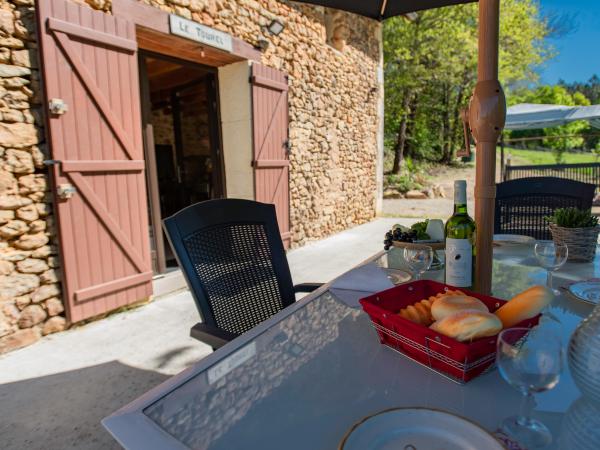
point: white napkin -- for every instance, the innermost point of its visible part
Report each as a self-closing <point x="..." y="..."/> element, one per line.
<point x="360" y="282"/>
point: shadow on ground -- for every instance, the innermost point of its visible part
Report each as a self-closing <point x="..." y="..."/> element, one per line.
<point x="63" y="411"/>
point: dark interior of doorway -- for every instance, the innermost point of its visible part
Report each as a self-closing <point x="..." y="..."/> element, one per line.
<point x="182" y="135"/>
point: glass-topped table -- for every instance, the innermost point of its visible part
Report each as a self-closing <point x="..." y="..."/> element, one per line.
<point x="302" y="378"/>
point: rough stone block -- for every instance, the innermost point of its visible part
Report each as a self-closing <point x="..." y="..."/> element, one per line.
<point x="13" y="116"/>
<point x="37" y="226"/>
<point x="28" y="213"/>
<point x="18" y="135"/>
<point x="43" y="208"/>
<point x="18" y="284"/>
<point x="13" y="201"/>
<point x="8" y="182"/>
<point x="7" y="70"/>
<point x="18" y="161"/>
<point x="33" y="183"/>
<point x="54" y="306"/>
<point x="31" y="241"/>
<point x="50" y="276"/>
<point x="22" y="301"/>
<point x="45" y="291"/>
<point x="54" y="325"/>
<point x="42" y="252"/>
<point x="6" y="215"/>
<point x="12" y="254"/>
<point x="6" y="267"/>
<point x="54" y="261"/>
<point x="24" y="58"/>
<point x="31" y="316"/>
<point x="7" y="21"/>
<point x="13" y="229"/>
<point x="18" y="339"/>
<point x="32" y="265"/>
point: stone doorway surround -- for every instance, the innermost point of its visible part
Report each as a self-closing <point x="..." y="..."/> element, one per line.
<point x="153" y="35"/>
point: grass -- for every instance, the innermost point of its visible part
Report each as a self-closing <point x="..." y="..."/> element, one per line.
<point x="525" y="157"/>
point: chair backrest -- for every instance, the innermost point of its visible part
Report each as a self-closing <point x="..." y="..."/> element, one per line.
<point x="233" y="259"/>
<point x="523" y="204"/>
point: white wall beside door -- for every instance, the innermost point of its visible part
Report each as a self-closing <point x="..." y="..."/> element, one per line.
<point x="236" y="129"/>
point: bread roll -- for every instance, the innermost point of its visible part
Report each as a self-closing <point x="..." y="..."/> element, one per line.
<point x="450" y="304"/>
<point x="420" y="312"/>
<point x="468" y="325"/>
<point x="525" y="305"/>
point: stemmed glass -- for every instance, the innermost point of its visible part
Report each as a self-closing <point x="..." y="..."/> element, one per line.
<point x="551" y="256"/>
<point x="531" y="362"/>
<point x="418" y="258"/>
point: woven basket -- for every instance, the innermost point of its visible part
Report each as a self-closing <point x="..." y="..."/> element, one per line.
<point x="580" y="241"/>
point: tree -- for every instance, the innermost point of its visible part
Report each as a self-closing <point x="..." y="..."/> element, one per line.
<point x="430" y="67"/>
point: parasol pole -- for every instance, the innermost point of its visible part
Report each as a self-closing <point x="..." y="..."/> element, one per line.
<point x="487" y="113"/>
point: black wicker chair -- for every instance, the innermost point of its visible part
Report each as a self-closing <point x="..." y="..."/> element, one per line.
<point x="523" y="204"/>
<point x="233" y="259"/>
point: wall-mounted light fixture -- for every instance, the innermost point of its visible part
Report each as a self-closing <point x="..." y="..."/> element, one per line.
<point x="275" y="27"/>
<point x="262" y="44"/>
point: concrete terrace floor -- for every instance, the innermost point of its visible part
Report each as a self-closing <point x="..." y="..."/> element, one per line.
<point x="54" y="393"/>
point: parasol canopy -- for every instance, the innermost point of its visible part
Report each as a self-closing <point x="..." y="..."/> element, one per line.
<point x="383" y="9"/>
<point x="531" y="116"/>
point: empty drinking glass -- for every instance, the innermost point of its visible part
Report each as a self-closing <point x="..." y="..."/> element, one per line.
<point x="551" y="256"/>
<point x="531" y="362"/>
<point x="418" y="258"/>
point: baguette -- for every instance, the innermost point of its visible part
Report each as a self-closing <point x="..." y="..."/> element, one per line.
<point x="525" y="305"/>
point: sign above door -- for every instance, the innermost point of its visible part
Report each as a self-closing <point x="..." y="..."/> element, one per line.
<point x="199" y="33"/>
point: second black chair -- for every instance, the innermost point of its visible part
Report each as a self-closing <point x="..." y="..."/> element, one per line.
<point x="234" y="262"/>
<point x="522" y="205"/>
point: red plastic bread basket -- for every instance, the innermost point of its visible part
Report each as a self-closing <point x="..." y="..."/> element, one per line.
<point x="459" y="361"/>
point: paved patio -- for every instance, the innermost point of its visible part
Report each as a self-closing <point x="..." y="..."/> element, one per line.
<point x="54" y="393"/>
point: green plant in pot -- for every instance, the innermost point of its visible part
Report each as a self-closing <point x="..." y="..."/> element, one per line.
<point x="578" y="229"/>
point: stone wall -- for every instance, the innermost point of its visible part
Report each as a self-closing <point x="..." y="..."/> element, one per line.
<point x="30" y="297"/>
<point x="333" y="98"/>
<point x="162" y="127"/>
<point x="333" y="101"/>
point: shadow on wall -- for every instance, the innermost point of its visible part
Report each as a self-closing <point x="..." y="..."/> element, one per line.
<point x="63" y="411"/>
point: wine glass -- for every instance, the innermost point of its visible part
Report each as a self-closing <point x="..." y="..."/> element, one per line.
<point x="531" y="362"/>
<point x="551" y="256"/>
<point x="418" y="258"/>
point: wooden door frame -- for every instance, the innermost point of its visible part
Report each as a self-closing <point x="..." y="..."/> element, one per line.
<point x="160" y="266"/>
<point x="152" y="170"/>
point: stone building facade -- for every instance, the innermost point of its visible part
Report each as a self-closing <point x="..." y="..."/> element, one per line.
<point x="333" y="61"/>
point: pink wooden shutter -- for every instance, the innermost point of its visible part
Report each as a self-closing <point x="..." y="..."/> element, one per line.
<point x="270" y="129"/>
<point x="89" y="61"/>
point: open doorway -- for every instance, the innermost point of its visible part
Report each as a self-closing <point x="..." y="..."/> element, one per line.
<point x="181" y="137"/>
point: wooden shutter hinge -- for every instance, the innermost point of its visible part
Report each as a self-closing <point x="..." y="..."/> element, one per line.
<point x="57" y="106"/>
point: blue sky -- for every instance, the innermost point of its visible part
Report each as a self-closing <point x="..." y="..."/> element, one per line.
<point x="579" y="52"/>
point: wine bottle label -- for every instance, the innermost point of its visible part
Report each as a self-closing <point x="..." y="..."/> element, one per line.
<point x="459" y="262"/>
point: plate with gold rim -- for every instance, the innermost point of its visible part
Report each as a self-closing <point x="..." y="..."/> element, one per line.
<point x="587" y="291"/>
<point x="417" y="429"/>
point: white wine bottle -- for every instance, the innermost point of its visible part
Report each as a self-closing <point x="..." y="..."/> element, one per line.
<point x="460" y="241"/>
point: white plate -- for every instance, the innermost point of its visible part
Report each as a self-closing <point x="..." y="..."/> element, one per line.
<point x="512" y="239"/>
<point x="417" y="429"/>
<point x="588" y="291"/>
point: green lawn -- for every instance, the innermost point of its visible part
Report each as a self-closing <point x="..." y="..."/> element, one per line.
<point x="525" y="157"/>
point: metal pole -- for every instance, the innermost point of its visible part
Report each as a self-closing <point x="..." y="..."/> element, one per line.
<point x="487" y="113"/>
<point x="502" y="157"/>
